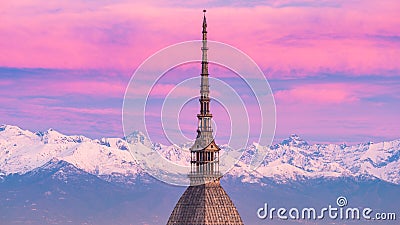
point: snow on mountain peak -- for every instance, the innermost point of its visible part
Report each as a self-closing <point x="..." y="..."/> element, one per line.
<point x="137" y="137"/>
<point x="12" y="131"/>
<point x="52" y="136"/>
<point x="23" y="151"/>
<point x="4" y="127"/>
<point x="294" y="140"/>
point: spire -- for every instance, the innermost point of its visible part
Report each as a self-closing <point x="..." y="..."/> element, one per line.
<point x="204" y="23"/>
<point x="204" y="67"/>
<point x="204" y="152"/>
<point x="205" y="116"/>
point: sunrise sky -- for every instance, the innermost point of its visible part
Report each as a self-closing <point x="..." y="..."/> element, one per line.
<point x="333" y="66"/>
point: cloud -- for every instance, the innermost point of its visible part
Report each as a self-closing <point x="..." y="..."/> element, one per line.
<point x="312" y="51"/>
<point x="40" y="115"/>
<point x="50" y="83"/>
<point x="337" y="93"/>
<point x="289" y="41"/>
<point x="318" y="94"/>
<point x="349" y="112"/>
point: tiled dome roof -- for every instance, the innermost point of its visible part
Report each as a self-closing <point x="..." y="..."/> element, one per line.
<point x="206" y="204"/>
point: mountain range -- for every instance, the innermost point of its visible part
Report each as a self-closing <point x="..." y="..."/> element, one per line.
<point x="22" y="151"/>
<point x="51" y="178"/>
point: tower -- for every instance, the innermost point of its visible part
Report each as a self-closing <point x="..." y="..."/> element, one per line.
<point x="204" y="152"/>
<point x="204" y="202"/>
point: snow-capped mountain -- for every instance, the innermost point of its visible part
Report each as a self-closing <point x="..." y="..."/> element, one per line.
<point x="22" y="151"/>
<point x="294" y="158"/>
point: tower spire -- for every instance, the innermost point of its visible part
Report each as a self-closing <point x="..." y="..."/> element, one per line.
<point x="204" y="63"/>
<point x="204" y="129"/>
<point x="204" y="152"/>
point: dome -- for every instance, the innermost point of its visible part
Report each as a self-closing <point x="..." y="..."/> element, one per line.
<point x="206" y="204"/>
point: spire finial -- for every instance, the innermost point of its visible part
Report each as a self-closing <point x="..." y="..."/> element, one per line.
<point x="204" y="22"/>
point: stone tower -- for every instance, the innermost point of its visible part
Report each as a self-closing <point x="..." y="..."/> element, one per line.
<point x="205" y="202"/>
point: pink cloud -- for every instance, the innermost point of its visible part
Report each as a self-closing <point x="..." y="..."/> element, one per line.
<point x="351" y="39"/>
<point x="333" y="112"/>
<point x="162" y="90"/>
<point x="354" y="123"/>
<point x="332" y="93"/>
<point x="38" y="115"/>
<point x="95" y="111"/>
<point x="5" y="82"/>
<point x="291" y="41"/>
<point x="106" y="88"/>
<point x="325" y="94"/>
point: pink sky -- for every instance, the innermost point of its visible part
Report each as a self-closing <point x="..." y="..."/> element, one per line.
<point x="333" y="65"/>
